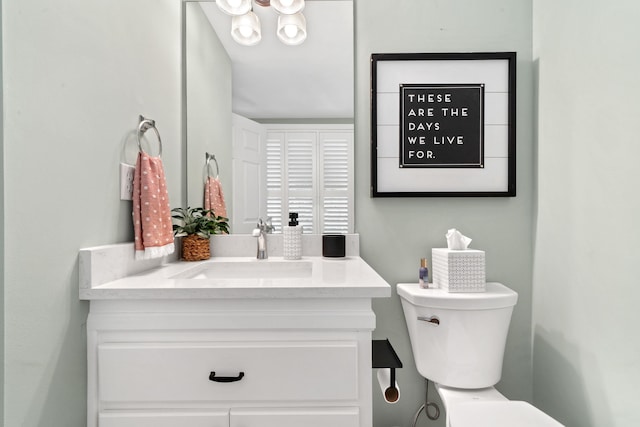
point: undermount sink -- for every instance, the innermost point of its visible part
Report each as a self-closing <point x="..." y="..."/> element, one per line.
<point x="248" y="270"/>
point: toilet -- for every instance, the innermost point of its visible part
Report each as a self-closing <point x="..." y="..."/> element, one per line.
<point x="458" y="342"/>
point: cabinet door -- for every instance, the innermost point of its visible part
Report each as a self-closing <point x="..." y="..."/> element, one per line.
<point x="164" y="419"/>
<point x="298" y="417"/>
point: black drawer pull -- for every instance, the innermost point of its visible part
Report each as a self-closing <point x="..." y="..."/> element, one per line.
<point x="212" y="377"/>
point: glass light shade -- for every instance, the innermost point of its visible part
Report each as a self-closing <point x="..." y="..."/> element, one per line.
<point x="292" y="29"/>
<point x="234" y="7"/>
<point x="245" y="29"/>
<point x="287" y="7"/>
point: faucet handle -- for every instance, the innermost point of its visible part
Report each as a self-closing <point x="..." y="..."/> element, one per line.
<point x="265" y="225"/>
<point x="268" y="225"/>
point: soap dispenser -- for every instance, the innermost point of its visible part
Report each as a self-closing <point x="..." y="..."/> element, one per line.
<point x="293" y="238"/>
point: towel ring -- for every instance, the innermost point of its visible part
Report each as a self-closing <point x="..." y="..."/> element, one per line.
<point x="143" y="126"/>
<point x="208" y="158"/>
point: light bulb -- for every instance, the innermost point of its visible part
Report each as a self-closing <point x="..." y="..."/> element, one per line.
<point x="245" y="31"/>
<point x="291" y="30"/>
<point x="234" y="7"/>
<point x="287" y="7"/>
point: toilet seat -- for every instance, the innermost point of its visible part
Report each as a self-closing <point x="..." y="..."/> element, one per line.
<point x="506" y="413"/>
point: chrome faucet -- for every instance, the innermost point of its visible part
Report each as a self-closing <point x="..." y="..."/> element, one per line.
<point x="262" y="229"/>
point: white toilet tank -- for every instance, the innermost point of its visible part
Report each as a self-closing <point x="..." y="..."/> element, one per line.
<point x="458" y="339"/>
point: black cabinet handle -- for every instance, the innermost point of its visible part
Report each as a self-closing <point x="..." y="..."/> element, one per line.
<point x="212" y="377"/>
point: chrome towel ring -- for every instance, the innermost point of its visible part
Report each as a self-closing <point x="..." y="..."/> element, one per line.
<point x="143" y="126"/>
<point x="208" y="158"/>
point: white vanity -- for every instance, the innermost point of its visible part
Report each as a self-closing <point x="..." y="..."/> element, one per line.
<point x="228" y="342"/>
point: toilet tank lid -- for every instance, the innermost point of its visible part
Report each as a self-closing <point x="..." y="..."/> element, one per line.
<point x="499" y="414"/>
<point x="496" y="296"/>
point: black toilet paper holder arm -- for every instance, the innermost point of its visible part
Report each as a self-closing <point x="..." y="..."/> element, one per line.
<point x="383" y="355"/>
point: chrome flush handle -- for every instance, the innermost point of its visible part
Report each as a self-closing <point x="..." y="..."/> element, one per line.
<point x="433" y="320"/>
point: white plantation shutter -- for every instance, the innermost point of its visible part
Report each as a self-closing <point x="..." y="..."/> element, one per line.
<point x="310" y="171"/>
<point x="301" y="172"/>
<point x="275" y="178"/>
<point x="336" y="181"/>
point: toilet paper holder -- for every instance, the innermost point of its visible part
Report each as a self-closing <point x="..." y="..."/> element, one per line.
<point x="384" y="356"/>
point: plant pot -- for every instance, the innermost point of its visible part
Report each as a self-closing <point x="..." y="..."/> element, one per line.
<point x="195" y="248"/>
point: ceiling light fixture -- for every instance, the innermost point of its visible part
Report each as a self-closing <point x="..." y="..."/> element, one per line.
<point x="234" y="7"/>
<point x="245" y="24"/>
<point x="292" y="29"/>
<point x="245" y="29"/>
<point x="288" y="7"/>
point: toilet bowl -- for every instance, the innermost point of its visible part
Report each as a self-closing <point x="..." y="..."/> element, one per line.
<point x="458" y="342"/>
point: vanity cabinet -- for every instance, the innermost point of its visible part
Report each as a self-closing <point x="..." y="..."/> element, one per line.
<point x="275" y="344"/>
<point x="230" y="362"/>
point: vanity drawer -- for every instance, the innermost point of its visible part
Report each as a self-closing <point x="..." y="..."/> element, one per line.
<point x="271" y="371"/>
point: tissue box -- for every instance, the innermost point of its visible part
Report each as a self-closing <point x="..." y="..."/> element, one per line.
<point x="458" y="270"/>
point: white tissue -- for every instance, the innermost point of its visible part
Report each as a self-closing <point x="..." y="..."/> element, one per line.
<point x="456" y="241"/>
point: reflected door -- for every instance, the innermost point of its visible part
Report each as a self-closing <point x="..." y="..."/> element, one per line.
<point x="249" y="176"/>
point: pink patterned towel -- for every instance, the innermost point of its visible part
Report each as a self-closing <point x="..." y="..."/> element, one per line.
<point x="213" y="197"/>
<point x="152" y="224"/>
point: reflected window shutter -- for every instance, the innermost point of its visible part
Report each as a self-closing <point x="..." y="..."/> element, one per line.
<point x="275" y="178"/>
<point x="301" y="171"/>
<point x="311" y="172"/>
<point x="336" y="189"/>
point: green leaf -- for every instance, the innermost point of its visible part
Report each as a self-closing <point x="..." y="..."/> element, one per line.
<point x="202" y="222"/>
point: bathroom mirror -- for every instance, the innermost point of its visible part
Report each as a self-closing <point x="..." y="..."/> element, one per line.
<point x="270" y="82"/>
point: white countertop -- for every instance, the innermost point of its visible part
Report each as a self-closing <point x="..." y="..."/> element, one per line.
<point x="349" y="277"/>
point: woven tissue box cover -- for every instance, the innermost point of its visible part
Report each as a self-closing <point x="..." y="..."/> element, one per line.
<point x="459" y="270"/>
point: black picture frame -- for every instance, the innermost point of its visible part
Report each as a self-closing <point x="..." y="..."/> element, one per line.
<point x="454" y="131"/>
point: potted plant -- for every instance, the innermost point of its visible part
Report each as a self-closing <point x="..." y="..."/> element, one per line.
<point x="196" y="225"/>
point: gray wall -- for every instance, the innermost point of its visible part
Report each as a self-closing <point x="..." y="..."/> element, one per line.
<point x="77" y="75"/>
<point x="209" y="104"/>
<point x="586" y="293"/>
<point x="396" y="232"/>
<point x="1" y="231"/>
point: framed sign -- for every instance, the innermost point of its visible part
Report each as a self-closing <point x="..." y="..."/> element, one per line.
<point x="443" y="124"/>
